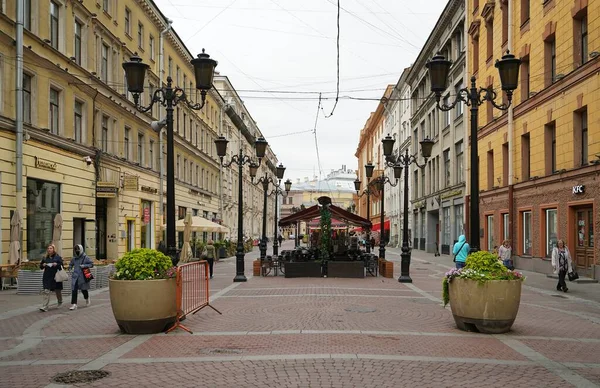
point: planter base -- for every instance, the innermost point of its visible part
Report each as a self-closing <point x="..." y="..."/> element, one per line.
<point x="145" y="327"/>
<point x="483" y="326"/>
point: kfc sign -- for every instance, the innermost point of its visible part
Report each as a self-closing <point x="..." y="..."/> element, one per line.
<point x="579" y="189"/>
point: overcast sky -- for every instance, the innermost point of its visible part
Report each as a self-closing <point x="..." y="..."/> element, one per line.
<point x="273" y="49"/>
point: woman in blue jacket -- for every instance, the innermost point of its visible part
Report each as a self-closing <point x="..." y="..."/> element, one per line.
<point x="461" y="251"/>
<point x="78" y="282"/>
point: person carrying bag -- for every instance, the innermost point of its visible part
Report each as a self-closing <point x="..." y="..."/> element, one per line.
<point x="461" y="251"/>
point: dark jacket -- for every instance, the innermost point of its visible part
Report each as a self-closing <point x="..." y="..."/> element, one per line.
<point x="48" y="279"/>
<point x="77" y="264"/>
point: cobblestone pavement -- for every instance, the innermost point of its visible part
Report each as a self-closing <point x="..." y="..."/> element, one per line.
<point x="277" y="332"/>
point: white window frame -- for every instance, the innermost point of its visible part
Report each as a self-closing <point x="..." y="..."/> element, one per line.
<point x="141" y="35"/>
<point x="140" y="148"/>
<point x="59" y="110"/>
<point x="127" y="21"/>
<point x="105" y="140"/>
<point x="549" y="248"/>
<point x="104" y="62"/>
<point x="81" y="115"/>
<point x="505" y="226"/>
<point x="151" y="154"/>
<point x="527" y="216"/>
<point x="490" y="232"/>
<point x="127" y="143"/>
<point x="151" y="47"/>
<point x="62" y="11"/>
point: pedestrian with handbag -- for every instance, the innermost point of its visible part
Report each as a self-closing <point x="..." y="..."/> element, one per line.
<point x="461" y="251"/>
<point x="505" y="254"/>
<point x="562" y="265"/>
<point x="51" y="264"/>
<point x="80" y="266"/>
<point x="210" y="256"/>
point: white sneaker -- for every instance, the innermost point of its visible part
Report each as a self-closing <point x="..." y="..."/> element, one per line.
<point x="43" y="309"/>
<point x="73" y="307"/>
<point x="88" y="301"/>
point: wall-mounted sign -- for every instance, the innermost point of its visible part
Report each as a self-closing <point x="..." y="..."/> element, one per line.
<point x="106" y="190"/>
<point x="194" y="192"/>
<point x="451" y="194"/>
<point x="45" y="164"/>
<point x="148" y="189"/>
<point x="579" y="189"/>
<point x="146" y="215"/>
<point x="130" y="182"/>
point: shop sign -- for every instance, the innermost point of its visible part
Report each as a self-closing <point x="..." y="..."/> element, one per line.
<point x="130" y="182"/>
<point x="106" y="190"/>
<point x="146" y="215"/>
<point x="45" y="164"/>
<point x="451" y="194"/>
<point x="148" y="189"/>
<point x="194" y="192"/>
<point x="579" y="189"/>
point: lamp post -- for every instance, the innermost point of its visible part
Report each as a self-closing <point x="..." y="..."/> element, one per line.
<point x="276" y="191"/>
<point x="240" y="159"/>
<point x="367" y="191"/>
<point x="265" y="181"/>
<point x="402" y="162"/>
<point x="508" y="68"/>
<point x="169" y="96"/>
<point x="379" y="184"/>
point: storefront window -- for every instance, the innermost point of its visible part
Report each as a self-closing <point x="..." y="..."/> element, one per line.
<point x="458" y="220"/>
<point x="505" y="227"/>
<point x="527" y="243"/>
<point x="146" y="228"/>
<point x="446" y="236"/>
<point x="591" y="230"/>
<point x="551" y="230"/>
<point x="43" y="204"/>
<point x="490" y="233"/>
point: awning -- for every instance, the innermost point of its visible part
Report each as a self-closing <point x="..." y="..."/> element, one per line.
<point x="201" y="224"/>
<point x="377" y="226"/>
<point x="314" y="212"/>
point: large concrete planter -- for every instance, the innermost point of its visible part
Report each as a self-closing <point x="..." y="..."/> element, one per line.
<point x="143" y="306"/>
<point x="488" y="307"/>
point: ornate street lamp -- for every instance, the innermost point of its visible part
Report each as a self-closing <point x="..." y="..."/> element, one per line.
<point x="508" y="68"/>
<point x="240" y="159"/>
<point x="402" y="162"/>
<point x="265" y="181"/>
<point x="367" y="192"/>
<point x="168" y="96"/>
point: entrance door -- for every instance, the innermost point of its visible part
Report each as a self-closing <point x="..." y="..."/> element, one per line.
<point x="130" y="235"/>
<point x="79" y="232"/>
<point x="101" y="210"/>
<point x="584" y="238"/>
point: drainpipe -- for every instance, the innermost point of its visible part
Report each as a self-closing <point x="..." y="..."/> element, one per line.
<point x="510" y="119"/>
<point x="222" y="215"/>
<point x="161" y="65"/>
<point x="19" y="107"/>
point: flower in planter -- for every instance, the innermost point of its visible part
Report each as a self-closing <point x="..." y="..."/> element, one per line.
<point x="481" y="266"/>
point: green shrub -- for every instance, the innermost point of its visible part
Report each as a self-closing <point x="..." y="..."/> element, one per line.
<point x="143" y="264"/>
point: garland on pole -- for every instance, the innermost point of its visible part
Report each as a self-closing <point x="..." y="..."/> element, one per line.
<point x="325" y="242"/>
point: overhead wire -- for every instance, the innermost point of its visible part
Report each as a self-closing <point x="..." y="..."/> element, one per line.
<point x="337" y="95"/>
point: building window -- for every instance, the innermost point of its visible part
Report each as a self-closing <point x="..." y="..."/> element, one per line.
<point x="27" y="98"/>
<point x="550" y="61"/>
<point x="54" y="111"/>
<point x="126" y="143"/>
<point x="177" y="74"/>
<point x="151" y="47"/>
<point x="525" y="76"/>
<point x="128" y="21"/>
<point x="475" y="54"/>
<point x="490" y="233"/>
<point x="584" y="137"/>
<point x="78" y="122"/>
<point x="170" y="67"/>
<point x="78" y="38"/>
<point x="458" y="220"/>
<point x="184" y="125"/>
<point x="524" y="11"/>
<point x="416" y="190"/>
<point x="151" y="155"/>
<point x="146" y="228"/>
<point x="43" y="204"/>
<point x="490" y="170"/>
<point x="446" y="235"/>
<point x="141" y="36"/>
<point x="105" y="5"/>
<point x="580" y="38"/>
<point x="54" y="24"/>
<point x="489" y="26"/>
<point x="505" y="227"/>
<point x="184" y="177"/>
<point x="197" y="177"/>
<point x="458" y="109"/>
<point x="525" y="157"/>
<point x="446" y="114"/>
<point x="447" y="168"/>
<point x="551" y="230"/>
<point x="104" y="63"/>
<point x="459" y="43"/>
<point x="504" y="8"/>
<point x="505" y="171"/>
<point x="550" y="146"/>
<point x="460" y="173"/>
<point x="177" y="174"/>
<point x="527" y="243"/>
<point x="423" y="182"/>
<point x="181" y="211"/>
<point x="104" y="137"/>
<point x="27" y="14"/>
<point x="140" y="153"/>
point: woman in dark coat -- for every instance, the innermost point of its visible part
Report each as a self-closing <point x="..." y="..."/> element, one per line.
<point x="50" y="265"/>
<point x="78" y="282"/>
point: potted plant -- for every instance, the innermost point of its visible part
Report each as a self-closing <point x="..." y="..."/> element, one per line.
<point x="221" y="247"/>
<point x="143" y="292"/>
<point x="484" y="295"/>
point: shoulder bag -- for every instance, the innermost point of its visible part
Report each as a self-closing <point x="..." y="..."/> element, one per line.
<point x="61" y="276"/>
<point x="459" y="249"/>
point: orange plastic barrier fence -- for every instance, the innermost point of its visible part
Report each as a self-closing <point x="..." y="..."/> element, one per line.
<point x="192" y="291"/>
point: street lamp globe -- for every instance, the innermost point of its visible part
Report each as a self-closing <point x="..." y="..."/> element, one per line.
<point x="253" y="170"/>
<point x="288" y="185"/>
<point x="357" y="183"/>
<point x="280" y="170"/>
<point x="426" y="147"/>
<point x="204" y="70"/>
<point x="438" y="67"/>
<point x="135" y="73"/>
<point x="388" y="145"/>
<point x="261" y="147"/>
<point x="397" y="171"/>
<point x="508" y="67"/>
<point x="221" y="144"/>
<point x="369" y="170"/>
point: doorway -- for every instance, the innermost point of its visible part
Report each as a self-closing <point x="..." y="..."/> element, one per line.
<point x="584" y="237"/>
<point x="101" y="211"/>
<point x="79" y="232"/>
<point x="130" y="235"/>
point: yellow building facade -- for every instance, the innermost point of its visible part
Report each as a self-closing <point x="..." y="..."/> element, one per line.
<point x="539" y="161"/>
<point x="88" y="154"/>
